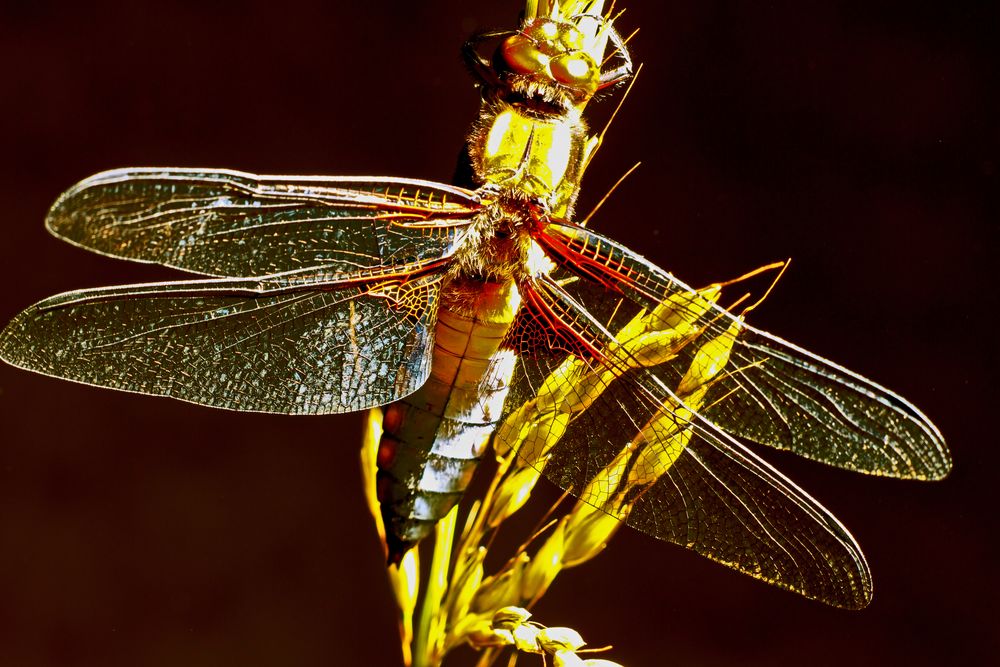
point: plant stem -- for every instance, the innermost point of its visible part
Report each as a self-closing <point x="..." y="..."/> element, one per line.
<point x="426" y="641"/>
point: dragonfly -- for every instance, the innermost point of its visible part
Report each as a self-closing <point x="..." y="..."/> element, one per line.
<point x="451" y="305"/>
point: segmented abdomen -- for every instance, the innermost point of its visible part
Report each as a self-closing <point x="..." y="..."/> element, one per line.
<point x="433" y="439"/>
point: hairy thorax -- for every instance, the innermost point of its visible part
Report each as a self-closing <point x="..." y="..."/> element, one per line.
<point x="527" y="161"/>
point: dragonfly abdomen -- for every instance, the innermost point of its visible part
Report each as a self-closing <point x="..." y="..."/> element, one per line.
<point x="433" y="439"/>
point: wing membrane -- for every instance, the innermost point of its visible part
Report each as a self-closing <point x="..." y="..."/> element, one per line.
<point x="726" y="504"/>
<point x="277" y="345"/>
<point x="643" y="455"/>
<point x="229" y="223"/>
<point x="780" y="394"/>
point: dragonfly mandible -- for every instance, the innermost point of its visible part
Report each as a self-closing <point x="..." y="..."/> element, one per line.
<point x="452" y="305"/>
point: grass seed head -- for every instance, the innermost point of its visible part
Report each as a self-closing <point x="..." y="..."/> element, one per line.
<point x="500" y="590"/>
<point x="545" y="565"/>
<point x="567" y="659"/>
<point x="526" y="638"/>
<point x="683" y="310"/>
<point x="464" y="587"/>
<point x="509" y="618"/>
<point x="588" y="531"/>
<point x="709" y="360"/>
<point x="512" y="494"/>
<point x="560" y="639"/>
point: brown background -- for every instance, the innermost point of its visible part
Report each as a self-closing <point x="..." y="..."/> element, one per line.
<point x="859" y="141"/>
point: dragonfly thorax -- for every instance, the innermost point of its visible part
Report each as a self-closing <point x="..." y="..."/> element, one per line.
<point x="498" y="244"/>
<point x="531" y="136"/>
<point x="532" y="157"/>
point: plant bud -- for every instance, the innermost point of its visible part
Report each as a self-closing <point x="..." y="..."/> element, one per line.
<point x="653" y="348"/>
<point x="665" y="437"/>
<point x="526" y="638"/>
<point x="500" y="590"/>
<point x="405" y="581"/>
<point x="466" y="586"/>
<point x="681" y="311"/>
<point x="709" y="360"/>
<point x="567" y="659"/>
<point x="509" y="618"/>
<point x="544" y="566"/>
<point x="369" y="452"/>
<point x="588" y="531"/>
<point x="560" y="639"/>
<point x="514" y="491"/>
<point x="483" y="636"/>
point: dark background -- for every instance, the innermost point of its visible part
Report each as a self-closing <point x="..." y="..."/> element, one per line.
<point x="857" y="138"/>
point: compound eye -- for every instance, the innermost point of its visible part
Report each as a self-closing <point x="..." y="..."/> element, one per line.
<point x="570" y="39"/>
<point x="576" y="69"/>
<point x="522" y="56"/>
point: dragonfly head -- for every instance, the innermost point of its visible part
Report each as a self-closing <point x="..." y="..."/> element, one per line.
<point x="546" y="64"/>
<point x="555" y="63"/>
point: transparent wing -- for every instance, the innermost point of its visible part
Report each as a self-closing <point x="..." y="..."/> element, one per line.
<point x="778" y="394"/>
<point x="228" y="223"/>
<point x="622" y="440"/>
<point x="287" y="344"/>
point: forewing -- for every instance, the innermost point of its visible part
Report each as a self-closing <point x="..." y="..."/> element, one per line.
<point x="778" y="394"/>
<point x="642" y="454"/>
<point x="229" y="223"/>
<point x="281" y="346"/>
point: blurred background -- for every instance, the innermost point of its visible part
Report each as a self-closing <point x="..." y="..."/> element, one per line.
<point x="857" y="138"/>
